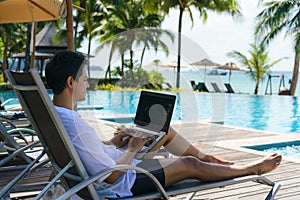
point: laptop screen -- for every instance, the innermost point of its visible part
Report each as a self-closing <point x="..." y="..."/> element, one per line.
<point x="154" y="111"/>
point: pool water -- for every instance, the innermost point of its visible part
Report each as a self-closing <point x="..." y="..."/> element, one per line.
<point x="275" y="113"/>
<point x="292" y="151"/>
<point x="287" y="149"/>
<point x="279" y="114"/>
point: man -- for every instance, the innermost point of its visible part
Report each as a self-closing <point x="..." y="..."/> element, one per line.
<point x="66" y="75"/>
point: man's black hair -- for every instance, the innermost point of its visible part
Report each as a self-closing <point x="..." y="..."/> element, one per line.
<point x="63" y="65"/>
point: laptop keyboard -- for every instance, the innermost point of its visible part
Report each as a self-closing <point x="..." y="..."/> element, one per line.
<point x="150" y="142"/>
<point x="135" y="130"/>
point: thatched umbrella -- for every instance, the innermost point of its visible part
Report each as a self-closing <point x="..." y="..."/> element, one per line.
<point x="173" y="64"/>
<point x="231" y="66"/>
<point x="206" y="63"/>
<point x="17" y="11"/>
<point x="157" y="63"/>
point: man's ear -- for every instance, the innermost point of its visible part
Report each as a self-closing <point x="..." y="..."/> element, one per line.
<point x="70" y="82"/>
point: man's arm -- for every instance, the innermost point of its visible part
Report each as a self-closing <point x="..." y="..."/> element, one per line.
<point x="135" y="144"/>
<point x="118" y="140"/>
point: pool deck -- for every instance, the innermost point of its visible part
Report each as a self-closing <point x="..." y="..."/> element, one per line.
<point x="227" y="142"/>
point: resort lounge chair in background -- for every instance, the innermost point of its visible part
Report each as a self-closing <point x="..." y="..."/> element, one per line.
<point x="11" y="150"/>
<point x="229" y="88"/>
<point x="19" y="162"/>
<point x="201" y="87"/>
<point x="216" y="87"/>
<point x="71" y="171"/>
<point x="11" y="104"/>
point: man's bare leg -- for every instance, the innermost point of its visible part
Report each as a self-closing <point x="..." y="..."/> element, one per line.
<point x="179" y="146"/>
<point x="190" y="167"/>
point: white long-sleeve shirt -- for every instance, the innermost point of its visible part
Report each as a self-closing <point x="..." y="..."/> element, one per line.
<point x="95" y="155"/>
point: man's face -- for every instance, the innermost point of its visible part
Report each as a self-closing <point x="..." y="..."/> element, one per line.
<point x="80" y="86"/>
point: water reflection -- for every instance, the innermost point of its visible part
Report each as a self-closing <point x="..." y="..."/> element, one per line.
<point x="259" y="113"/>
<point x="295" y="119"/>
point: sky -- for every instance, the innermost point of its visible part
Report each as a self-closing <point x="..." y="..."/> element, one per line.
<point x="218" y="36"/>
<point x="221" y="34"/>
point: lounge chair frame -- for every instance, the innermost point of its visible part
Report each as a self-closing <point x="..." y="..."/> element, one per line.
<point x="29" y="85"/>
<point x="15" y="150"/>
<point x="12" y="147"/>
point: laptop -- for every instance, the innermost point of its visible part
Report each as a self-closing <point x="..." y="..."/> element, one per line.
<point x="152" y="118"/>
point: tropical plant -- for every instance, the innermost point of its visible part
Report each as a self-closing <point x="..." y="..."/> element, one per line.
<point x="12" y="37"/>
<point x="220" y="6"/>
<point x="151" y="38"/>
<point x="122" y="17"/>
<point x="279" y="16"/>
<point x="258" y="62"/>
<point x="92" y="20"/>
<point x="137" y="77"/>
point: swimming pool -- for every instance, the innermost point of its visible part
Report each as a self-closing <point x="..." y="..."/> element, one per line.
<point x="279" y="114"/>
<point x="286" y="149"/>
<point x="270" y="113"/>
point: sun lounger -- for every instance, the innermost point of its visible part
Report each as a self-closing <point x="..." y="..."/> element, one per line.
<point x="229" y="88"/>
<point x="216" y="87"/>
<point x="201" y="87"/>
<point x="19" y="162"/>
<point x="11" y="150"/>
<point x="11" y="104"/>
<point x="71" y="171"/>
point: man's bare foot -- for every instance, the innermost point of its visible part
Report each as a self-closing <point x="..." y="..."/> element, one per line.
<point x="267" y="164"/>
<point x="212" y="159"/>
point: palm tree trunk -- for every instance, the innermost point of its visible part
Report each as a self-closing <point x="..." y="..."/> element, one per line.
<point x="295" y="74"/>
<point x="77" y="20"/>
<point x="89" y="52"/>
<point x="256" y="88"/>
<point x="108" y="70"/>
<point x="142" y="56"/>
<point x="122" y="64"/>
<point x="27" y="48"/>
<point x="179" y="48"/>
<point x="107" y="73"/>
<point x="131" y="67"/>
<point x="5" y="52"/>
<point x="122" y="69"/>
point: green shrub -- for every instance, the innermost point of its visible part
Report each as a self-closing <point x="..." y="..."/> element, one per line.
<point x="5" y="86"/>
<point x="134" y="77"/>
<point x="107" y="81"/>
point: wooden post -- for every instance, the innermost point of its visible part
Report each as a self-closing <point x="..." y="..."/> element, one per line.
<point x="69" y="24"/>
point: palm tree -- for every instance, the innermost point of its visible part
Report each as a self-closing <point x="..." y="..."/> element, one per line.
<point x="91" y="20"/>
<point x="220" y="6"/>
<point x="278" y="16"/>
<point x="258" y="62"/>
<point x="151" y="38"/>
<point x="125" y="16"/>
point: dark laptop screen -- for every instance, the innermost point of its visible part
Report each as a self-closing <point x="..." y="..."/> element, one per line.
<point x="154" y="111"/>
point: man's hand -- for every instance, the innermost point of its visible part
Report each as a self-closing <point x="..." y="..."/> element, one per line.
<point x="120" y="139"/>
<point x="136" y="143"/>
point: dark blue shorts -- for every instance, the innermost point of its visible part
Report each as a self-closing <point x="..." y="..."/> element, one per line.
<point x="143" y="183"/>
